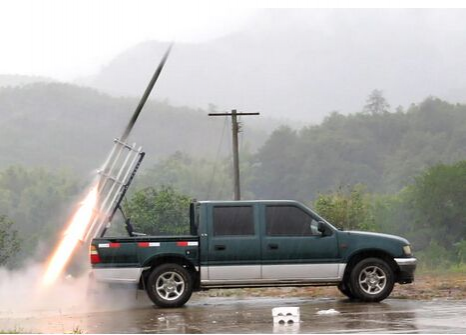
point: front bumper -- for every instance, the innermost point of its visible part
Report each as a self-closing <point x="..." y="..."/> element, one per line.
<point x="406" y="266"/>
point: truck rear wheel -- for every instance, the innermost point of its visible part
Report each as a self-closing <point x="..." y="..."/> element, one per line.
<point x="371" y="280"/>
<point x="344" y="288"/>
<point x="169" y="285"/>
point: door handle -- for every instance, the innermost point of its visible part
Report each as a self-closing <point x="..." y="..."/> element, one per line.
<point x="220" y="247"/>
<point x="273" y="246"/>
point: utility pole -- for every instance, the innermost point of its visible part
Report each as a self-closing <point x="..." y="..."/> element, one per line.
<point x="235" y="129"/>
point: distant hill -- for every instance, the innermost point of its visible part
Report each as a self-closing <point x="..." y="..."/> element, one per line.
<point x="235" y="72"/>
<point x="19" y="80"/>
<point x="304" y="64"/>
<point x="61" y="125"/>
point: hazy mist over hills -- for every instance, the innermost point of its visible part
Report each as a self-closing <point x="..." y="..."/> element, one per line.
<point x="58" y="125"/>
<point x="19" y="80"/>
<point x="303" y="64"/>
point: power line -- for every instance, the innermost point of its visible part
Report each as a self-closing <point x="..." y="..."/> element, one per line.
<point x="214" y="172"/>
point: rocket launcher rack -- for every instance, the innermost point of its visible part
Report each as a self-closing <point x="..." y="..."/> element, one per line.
<point x="119" y="169"/>
<point x="115" y="178"/>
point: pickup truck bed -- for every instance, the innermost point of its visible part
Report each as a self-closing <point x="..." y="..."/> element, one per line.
<point x="123" y="260"/>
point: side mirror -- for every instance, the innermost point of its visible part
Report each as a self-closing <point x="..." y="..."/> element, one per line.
<point x="322" y="228"/>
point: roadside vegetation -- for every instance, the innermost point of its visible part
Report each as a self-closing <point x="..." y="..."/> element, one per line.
<point x="12" y="331"/>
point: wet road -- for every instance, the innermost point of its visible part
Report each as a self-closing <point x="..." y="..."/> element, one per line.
<point x="253" y="315"/>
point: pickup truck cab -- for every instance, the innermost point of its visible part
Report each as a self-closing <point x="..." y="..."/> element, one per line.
<point x="237" y="244"/>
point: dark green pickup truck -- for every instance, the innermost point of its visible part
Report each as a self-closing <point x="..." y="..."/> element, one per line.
<point x="236" y="244"/>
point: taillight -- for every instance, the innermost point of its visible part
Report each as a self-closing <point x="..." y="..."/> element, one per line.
<point x="95" y="258"/>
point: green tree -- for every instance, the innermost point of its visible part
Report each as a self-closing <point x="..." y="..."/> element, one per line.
<point x="460" y="248"/>
<point x="376" y="103"/>
<point x="38" y="201"/>
<point x="9" y="241"/>
<point x="277" y="166"/>
<point x="200" y="178"/>
<point x="394" y="214"/>
<point x="348" y="208"/>
<point x="159" y="211"/>
<point x="439" y="195"/>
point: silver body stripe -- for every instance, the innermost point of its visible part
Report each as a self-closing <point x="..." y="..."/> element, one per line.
<point x="301" y="271"/>
<point x="305" y="273"/>
<point x="239" y="274"/>
<point x="118" y="275"/>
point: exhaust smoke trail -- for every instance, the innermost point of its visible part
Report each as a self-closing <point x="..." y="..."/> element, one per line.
<point x="72" y="237"/>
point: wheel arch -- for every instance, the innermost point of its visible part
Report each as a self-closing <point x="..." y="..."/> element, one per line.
<point x="359" y="255"/>
<point x="158" y="260"/>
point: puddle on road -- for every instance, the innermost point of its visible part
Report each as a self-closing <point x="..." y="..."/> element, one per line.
<point x="254" y="315"/>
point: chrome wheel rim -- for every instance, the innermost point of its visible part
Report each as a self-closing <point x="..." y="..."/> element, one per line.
<point x="170" y="285"/>
<point x="372" y="280"/>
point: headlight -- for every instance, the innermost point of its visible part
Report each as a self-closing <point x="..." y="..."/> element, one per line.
<point x="407" y="250"/>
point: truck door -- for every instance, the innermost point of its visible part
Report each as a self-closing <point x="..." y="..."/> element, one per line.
<point x="233" y="243"/>
<point x="293" y="248"/>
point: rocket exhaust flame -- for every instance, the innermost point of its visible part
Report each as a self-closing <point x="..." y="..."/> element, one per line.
<point x="96" y="212"/>
<point x="72" y="236"/>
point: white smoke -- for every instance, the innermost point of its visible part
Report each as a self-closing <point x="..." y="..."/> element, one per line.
<point x="25" y="306"/>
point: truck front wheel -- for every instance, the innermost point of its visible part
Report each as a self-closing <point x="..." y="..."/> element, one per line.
<point x="169" y="285"/>
<point x="371" y="280"/>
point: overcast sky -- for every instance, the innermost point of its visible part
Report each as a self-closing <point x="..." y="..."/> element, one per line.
<point x="68" y="38"/>
<point x="65" y="39"/>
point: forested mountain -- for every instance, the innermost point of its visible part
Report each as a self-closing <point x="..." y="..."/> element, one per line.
<point x="384" y="151"/>
<point x="59" y="125"/>
<point x="65" y="126"/>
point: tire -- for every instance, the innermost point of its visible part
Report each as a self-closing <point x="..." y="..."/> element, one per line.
<point x="344" y="288"/>
<point x="169" y="285"/>
<point x="371" y="280"/>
